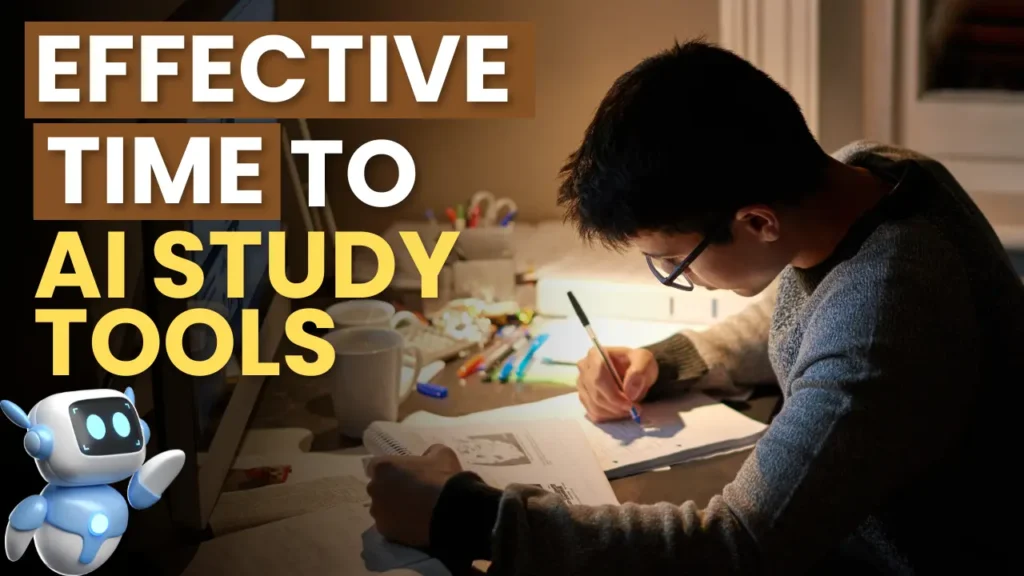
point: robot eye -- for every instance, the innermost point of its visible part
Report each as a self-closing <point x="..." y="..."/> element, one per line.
<point x="97" y="429"/>
<point x="121" y="425"/>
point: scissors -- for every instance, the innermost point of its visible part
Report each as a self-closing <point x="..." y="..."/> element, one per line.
<point x="490" y="207"/>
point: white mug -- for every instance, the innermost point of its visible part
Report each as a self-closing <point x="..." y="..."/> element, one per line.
<point x="368" y="314"/>
<point x="366" y="379"/>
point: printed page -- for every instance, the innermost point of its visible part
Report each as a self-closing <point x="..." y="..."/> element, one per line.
<point x="340" y="540"/>
<point x="553" y="455"/>
<point x="247" y="508"/>
<point x="689" y="426"/>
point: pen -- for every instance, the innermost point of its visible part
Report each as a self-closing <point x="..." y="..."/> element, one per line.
<point x="633" y="411"/>
<point x="460" y="217"/>
<point x="430" y="217"/>
<point x="470" y="365"/>
<point x="513" y="344"/>
<point x="525" y="362"/>
<point x="507" y="219"/>
<point x="506" y="370"/>
<point x="452" y="216"/>
<point x="432" y="390"/>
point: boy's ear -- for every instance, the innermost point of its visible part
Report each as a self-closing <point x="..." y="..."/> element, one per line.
<point x="130" y="394"/>
<point x="15" y="414"/>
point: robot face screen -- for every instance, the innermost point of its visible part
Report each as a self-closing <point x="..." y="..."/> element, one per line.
<point x="105" y="426"/>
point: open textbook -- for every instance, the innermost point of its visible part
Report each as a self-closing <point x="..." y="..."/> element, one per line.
<point x="672" y="430"/>
<point x="553" y="455"/>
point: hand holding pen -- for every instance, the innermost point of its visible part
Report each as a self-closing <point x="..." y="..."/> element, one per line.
<point x="613" y="381"/>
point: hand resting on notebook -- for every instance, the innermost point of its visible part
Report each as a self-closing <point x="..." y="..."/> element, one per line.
<point x="600" y="393"/>
<point x="405" y="489"/>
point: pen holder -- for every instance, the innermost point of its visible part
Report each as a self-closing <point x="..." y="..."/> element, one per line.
<point x="487" y="280"/>
<point x="493" y="243"/>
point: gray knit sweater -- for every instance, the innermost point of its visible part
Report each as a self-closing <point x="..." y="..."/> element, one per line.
<point x="897" y="359"/>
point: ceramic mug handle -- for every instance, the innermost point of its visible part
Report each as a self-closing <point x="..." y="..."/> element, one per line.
<point x="417" y="354"/>
<point x="402" y="317"/>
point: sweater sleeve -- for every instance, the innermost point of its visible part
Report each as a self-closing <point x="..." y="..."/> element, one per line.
<point x="857" y="428"/>
<point x="724" y="360"/>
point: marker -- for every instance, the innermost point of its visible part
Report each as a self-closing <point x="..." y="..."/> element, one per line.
<point x="507" y="219"/>
<point x="432" y="390"/>
<point x="460" y="217"/>
<point x="633" y="411"/>
<point x="525" y="362"/>
<point x="511" y="349"/>
<point x="513" y="341"/>
<point x="470" y="365"/>
<point x="506" y="370"/>
<point x="556" y="362"/>
<point x="430" y="217"/>
<point x="452" y="216"/>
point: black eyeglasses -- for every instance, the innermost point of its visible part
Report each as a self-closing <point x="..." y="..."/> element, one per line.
<point x="677" y="273"/>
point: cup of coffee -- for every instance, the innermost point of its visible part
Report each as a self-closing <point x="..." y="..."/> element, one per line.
<point x="368" y="314"/>
<point x="367" y="382"/>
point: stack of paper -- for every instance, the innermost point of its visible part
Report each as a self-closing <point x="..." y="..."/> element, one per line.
<point x="551" y="454"/>
<point x="672" y="431"/>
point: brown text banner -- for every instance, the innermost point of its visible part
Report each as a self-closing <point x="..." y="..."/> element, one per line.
<point x="162" y="70"/>
<point x="144" y="171"/>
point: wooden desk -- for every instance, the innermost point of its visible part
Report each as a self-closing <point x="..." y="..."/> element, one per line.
<point x="294" y="401"/>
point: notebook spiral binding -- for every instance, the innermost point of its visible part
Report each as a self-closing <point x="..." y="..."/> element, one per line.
<point x="388" y="444"/>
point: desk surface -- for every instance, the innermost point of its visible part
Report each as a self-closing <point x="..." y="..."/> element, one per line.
<point x="294" y="401"/>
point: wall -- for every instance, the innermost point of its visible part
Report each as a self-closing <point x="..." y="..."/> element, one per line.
<point x="881" y="42"/>
<point x="582" y="46"/>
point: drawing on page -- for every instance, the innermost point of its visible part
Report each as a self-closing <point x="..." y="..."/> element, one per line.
<point x="491" y="450"/>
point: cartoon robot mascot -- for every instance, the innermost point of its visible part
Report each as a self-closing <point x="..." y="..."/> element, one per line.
<point x="82" y="442"/>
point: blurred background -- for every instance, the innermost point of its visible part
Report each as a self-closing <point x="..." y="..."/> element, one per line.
<point x="941" y="76"/>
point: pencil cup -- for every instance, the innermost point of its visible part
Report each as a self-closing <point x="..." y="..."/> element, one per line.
<point x="370" y="377"/>
<point x="493" y="243"/>
<point x="488" y="280"/>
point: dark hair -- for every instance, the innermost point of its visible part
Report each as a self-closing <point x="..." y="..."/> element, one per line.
<point x="684" y="140"/>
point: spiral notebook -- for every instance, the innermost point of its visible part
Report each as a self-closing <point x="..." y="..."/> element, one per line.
<point x="553" y="455"/>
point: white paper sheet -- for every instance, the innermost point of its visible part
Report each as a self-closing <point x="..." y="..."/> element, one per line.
<point x="553" y="454"/>
<point x="672" y="430"/>
<point x="568" y="341"/>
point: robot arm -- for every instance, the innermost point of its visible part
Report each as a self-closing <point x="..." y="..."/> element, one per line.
<point x="149" y="482"/>
<point x="25" y="520"/>
<point x="38" y="439"/>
